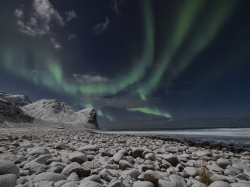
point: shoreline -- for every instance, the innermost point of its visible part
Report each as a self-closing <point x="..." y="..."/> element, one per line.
<point x="62" y="157"/>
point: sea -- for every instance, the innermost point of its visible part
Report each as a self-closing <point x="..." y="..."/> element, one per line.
<point x="235" y="137"/>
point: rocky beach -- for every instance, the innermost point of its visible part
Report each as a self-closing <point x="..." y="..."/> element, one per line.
<point x="44" y="158"/>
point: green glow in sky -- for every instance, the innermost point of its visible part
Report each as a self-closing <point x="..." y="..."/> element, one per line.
<point x="51" y="74"/>
<point x="109" y="117"/>
<point x="203" y="37"/>
<point x="150" y="111"/>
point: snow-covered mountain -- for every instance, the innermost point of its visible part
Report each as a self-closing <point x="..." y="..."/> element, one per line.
<point x="17" y="100"/>
<point x="9" y="112"/>
<point x="55" y="111"/>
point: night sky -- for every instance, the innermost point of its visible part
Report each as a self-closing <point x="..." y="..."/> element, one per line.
<point x="130" y="59"/>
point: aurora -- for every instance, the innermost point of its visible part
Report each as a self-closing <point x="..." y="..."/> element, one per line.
<point x="148" y="58"/>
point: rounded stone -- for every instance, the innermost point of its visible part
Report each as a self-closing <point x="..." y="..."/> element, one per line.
<point x="8" y="180"/>
<point x="143" y="184"/>
<point x="223" y="163"/>
<point x="7" y="167"/>
<point x="117" y="157"/>
<point x="48" y="176"/>
<point x="152" y="176"/>
<point x="191" y="171"/>
<point x="137" y="151"/>
<point x="90" y="184"/>
<point x="203" y="153"/>
<point x="219" y="184"/>
<point x="171" y="158"/>
<point x="78" y="157"/>
<point x="39" y="151"/>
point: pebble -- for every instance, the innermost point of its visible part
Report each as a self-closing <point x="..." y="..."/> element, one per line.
<point x="84" y="159"/>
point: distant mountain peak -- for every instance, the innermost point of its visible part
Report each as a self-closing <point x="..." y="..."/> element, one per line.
<point x="16" y="99"/>
<point x="56" y="111"/>
<point x="9" y="112"/>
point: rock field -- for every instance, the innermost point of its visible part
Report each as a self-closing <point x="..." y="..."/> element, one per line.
<point x="85" y="159"/>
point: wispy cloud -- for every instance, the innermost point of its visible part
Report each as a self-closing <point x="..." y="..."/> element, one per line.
<point x="43" y="17"/>
<point x="117" y="4"/>
<point x="89" y="78"/>
<point x="55" y="43"/>
<point x="101" y="27"/>
<point x="120" y="101"/>
<point x="18" y="13"/>
<point x="44" y="11"/>
<point x="70" y="15"/>
<point x="72" y="36"/>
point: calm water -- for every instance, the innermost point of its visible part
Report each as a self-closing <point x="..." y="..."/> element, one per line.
<point x="239" y="137"/>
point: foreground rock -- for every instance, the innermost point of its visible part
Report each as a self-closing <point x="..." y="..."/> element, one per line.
<point x="72" y="159"/>
<point x="7" y="167"/>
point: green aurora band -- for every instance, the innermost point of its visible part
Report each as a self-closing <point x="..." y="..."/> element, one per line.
<point x="154" y="111"/>
<point x="201" y="39"/>
<point x="54" y="78"/>
<point x="52" y="74"/>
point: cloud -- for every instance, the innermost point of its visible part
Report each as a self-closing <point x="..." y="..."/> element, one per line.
<point x="101" y="27"/>
<point x="116" y="5"/>
<point x="72" y="36"/>
<point x="55" y="43"/>
<point x="43" y="17"/>
<point x="89" y="78"/>
<point x="34" y="71"/>
<point x="33" y="21"/>
<point x="26" y="29"/>
<point x="70" y="15"/>
<point x="18" y="13"/>
<point x="44" y="11"/>
<point x="120" y="101"/>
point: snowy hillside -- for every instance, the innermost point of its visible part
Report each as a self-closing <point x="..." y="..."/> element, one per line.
<point x="17" y="100"/>
<point x="55" y="111"/>
<point x="9" y="112"/>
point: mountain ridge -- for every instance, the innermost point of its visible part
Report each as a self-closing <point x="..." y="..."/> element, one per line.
<point x="16" y="99"/>
<point x="55" y="111"/>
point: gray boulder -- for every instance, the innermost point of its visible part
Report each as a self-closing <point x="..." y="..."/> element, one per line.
<point x="166" y="183"/>
<point x="70" y="184"/>
<point x="89" y="184"/>
<point x="171" y="158"/>
<point x="42" y="159"/>
<point x="219" y="184"/>
<point x="133" y="173"/>
<point x="82" y="171"/>
<point x="60" y="146"/>
<point x="8" y="180"/>
<point x="223" y="163"/>
<point x="117" y="157"/>
<point x="152" y="176"/>
<point x="48" y="176"/>
<point x="124" y="164"/>
<point x="137" y="151"/>
<point x="180" y="182"/>
<point x="95" y="178"/>
<point x="191" y="171"/>
<point x="143" y="184"/>
<point x="240" y="184"/>
<point x="89" y="148"/>
<point x="7" y="167"/>
<point x="69" y="168"/>
<point x="78" y="157"/>
<point x="241" y="166"/>
<point x="39" y="151"/>
<point x="203" y="153"/>
<point x="39" y="168"/>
